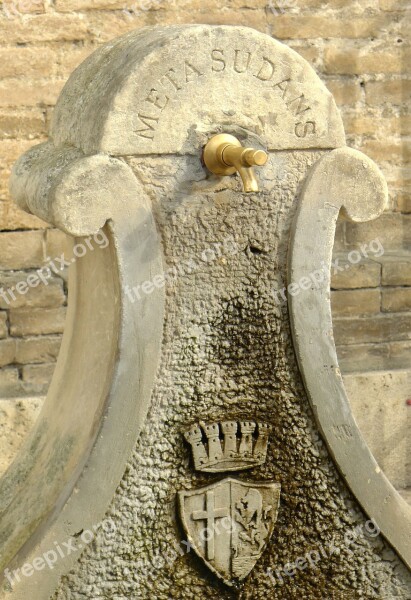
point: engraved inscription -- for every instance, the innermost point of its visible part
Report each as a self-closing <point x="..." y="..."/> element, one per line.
<point x="343" y="432"/>
<point x="221" y="61"/>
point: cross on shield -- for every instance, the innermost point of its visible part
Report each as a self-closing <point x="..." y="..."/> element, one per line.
<point x="229" y="524"/>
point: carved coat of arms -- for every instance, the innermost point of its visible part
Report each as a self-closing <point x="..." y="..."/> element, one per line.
<point x="229" y="522"/>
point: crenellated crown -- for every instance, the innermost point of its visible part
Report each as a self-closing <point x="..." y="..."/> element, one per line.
<point x="228" y="445"/>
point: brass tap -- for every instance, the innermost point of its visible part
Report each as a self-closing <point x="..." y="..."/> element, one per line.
<point x="224" y="155"/>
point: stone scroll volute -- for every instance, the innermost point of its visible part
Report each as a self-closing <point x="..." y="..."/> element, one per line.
<point x="210" y="344"/>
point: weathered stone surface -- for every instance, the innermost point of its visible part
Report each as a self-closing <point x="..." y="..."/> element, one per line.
<point x="19" y="250"/>
<point x="392" y="230"/>
<point x="17" y="417"/>
<point x="37" y="321"/>
<point x="373" y="103"/>
<point x="31" y="289"/>
<point x="12" y="218"/>
<point x="396" y="300"/>
<point x="31" y="62"/>
<point x="345" y="92"/>
<point x="355" y="61"/>
<point x="44" y="28"/>
<point x="17" y="8"/>
<point x="72" y="5"/>
<point x="403" y="202"/>
<point x="378" y="356"/>
<point x="380" y="328"/>
<point x="226" y="345"/>
<point x="379" y="404"/>
<point x="366" y="274"/>
<point x="60" y="245"/>
<point x="361" y="302"/>
<point x="3" y="324"/>
<point x="7" y="351"/>
<point x="394" y="91"/>
<point x="150" y="121"/>
<point x="364" y="357"/>
<point x="36" y="378"/>
<point x="396" y="270"/>
<point x="19" y="123"/>
<point x="21" y="93"/>
<point x="394" y="5"/>
<point x="244" y="372"/>
<point x="38" y="349"/>
<point x="393" y="151"/>
<point x="290" y="26"/>
<point x="399" y="353"/>
<point x="10" y="383"/>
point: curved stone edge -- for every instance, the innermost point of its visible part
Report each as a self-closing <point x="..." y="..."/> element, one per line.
<point x="98" y="401"/>
<point x="127" y="79"/>
<point x="72" y="191"/>
<point x="344" y="179"/>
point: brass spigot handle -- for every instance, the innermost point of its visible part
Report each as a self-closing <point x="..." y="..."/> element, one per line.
<point x="224" y="155"/>
<point x="249" y="157"/>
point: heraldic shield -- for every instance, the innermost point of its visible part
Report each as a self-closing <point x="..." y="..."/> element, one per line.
<point x="229" y="524"/>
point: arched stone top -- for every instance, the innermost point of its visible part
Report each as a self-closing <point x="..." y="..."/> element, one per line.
<point x="165" y="90"/>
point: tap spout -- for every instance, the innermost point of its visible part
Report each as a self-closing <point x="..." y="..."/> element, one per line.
<point x="244" y="159"/>
<point x="224" y="155"/>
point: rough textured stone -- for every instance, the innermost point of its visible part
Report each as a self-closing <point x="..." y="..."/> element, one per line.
<point x="366" y="274"/>
<point x="384" y="151"/>
<point x="362" y="302"/>
<point x="395" y="92"/>
<point x="10" y="383"/>
<point x="3" y="324"/>
<point x="396" y="300"/>
<point x="396" y="270"/>
<point x="392" y="230"/>
<point x="345" y="92"/>
<point x="44" y="28"/>
<point x="314" y="26"/>
<point x="18" y="291"/>
<point x="19" y="250"/>
<point x="17" y="123"/>
<point x="37" y="321"/>
<point x="12" y="218"/>
<point x="379" y="404"/>
<point x="18" y="92"/>
<point x="374" y="356"/>
<point x="36" y="378"/>
<point x="38" y="349"/>
<point x="380" y="328"/>
<point x="364" y="59"/>
<point x="403" y="202"/>
<point x="17" y="417"/>
<point x="30" y="62"/>
<point x="210" y="324"/>
<point x="373" y="103"/>
<point x="58" y="243"/>
<point x="227" y="344"/>
<point x="149" y="118"/>
<point x="7" y="351"/>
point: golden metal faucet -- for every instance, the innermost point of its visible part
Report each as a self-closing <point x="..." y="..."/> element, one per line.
<point x="224" y="155"/>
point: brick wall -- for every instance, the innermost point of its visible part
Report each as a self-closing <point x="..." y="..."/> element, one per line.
<point x="358" y="48"/>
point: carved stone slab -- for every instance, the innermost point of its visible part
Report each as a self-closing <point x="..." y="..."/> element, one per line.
<point x="177" y="322"/>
